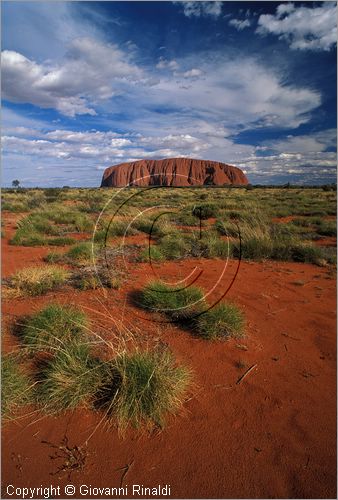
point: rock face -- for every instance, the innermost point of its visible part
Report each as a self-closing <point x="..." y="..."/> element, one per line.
<point x="172" y="172"/>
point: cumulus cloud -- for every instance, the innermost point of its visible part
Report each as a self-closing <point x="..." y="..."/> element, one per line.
<point x="304" y="28"/>
<point x="201" y="9"/>
<point x="57" y="153"/>
<point x="91" y="71"/>
<point x="164" y="64"/>
<point x="315" y="143"/>
<point x="192" y="73"/>
<point x="238" y="92"/>
<point x="240" y="24"/>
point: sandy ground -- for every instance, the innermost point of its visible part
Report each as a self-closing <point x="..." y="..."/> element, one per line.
<point x="271" y="436"/>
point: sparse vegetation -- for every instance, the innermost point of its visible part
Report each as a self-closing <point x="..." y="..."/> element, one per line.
<point x="16" y="386"/>
<point x="143" y="387"/>
<point x="221" y="322"/>
<point x="50" y="328"/>
<point x="70" y="379"/>
<point x="177" y="304"/>
<point x="38" y="280"/>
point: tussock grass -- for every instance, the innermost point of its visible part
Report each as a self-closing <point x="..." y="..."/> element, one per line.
<point x="61" y="241"/>
<point x="51" y="327"/>
<point x="221" y="322"/>
<point x="143" y="387"/>
<point x="70" y="379"/>
<point x="82" y="252"/>
<point x="174" y="246"/>
<point x="40" y="227"/>
<point x="176" y="304"/>
<point x="156" y="254"/>
<point x="39" y="280"/>
<point x="205" y="210"/>
<point x="16" y="386"/>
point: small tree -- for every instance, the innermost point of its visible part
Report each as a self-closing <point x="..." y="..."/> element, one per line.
<point x="16" y="183"/>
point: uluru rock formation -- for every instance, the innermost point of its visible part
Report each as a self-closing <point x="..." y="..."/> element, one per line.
<point x="173" y="172"/>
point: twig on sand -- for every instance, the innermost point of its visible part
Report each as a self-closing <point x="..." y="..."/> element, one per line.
<point x="246" y="373"/>
<point x="289" y="336"/>
<point x="125" y="472"/>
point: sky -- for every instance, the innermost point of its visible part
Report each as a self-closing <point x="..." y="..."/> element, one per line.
<point x="87" y="85"/>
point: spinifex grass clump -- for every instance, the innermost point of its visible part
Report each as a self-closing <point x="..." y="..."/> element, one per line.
<point x="70" y="379"/>
<point x="205" y="210"/>
<point x="15" y="386"/>
<point x="177" y="304"/>
<point x="80" y="252"/>
<point x="54" y="325"/>
<point x="39" y="280"/>
<point x="50" y="227"/>
<point x="223" y="321"/>
<point x="153" y="254"/>
<point x="143" y="387"/>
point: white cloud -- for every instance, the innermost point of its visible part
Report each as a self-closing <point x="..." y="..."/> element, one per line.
<point x="237" y="92"/>
<point x="56" y="154"/>
<point x="304" y="28"/>
<point x="314" y="143"/>
<point x="164" y="64"/>
<point x="201" y="9"/>
<point x="240" y="24"/>
<point x="192" y="73"/>
<point x="90" y="72"/>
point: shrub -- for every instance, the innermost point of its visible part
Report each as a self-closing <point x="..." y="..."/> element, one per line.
<point x="177" y="304"/>
<point x="54" y="257"/>
<point x="15" y="207"/>
<point x="204" y="211"/>
<point x="222" y="321"/>
<point x="52" y="326"/>
<point x="27" y="239"/>
<point x="255" y="248"/>
<point x="142" y="388"/>
<point x="80" y="252"/>
<point x="174" y="246"/>
<point x="61" y="241"/>
<point x="327" y="228"/>
<point x="119" y="228"/>
<point x="39" y="280"/>
<point x="69" y="379"/>
<point x="306" y="253"/>
<point x="155" y="254"/>
<point x="15" y="386"/>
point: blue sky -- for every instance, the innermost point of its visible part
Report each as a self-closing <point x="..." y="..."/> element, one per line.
<point x="86" y="85"/>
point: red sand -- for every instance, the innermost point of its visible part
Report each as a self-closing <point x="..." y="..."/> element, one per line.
<point x="272" y="436"/>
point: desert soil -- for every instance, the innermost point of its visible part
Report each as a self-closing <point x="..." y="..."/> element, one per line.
<point x="271" y="436"/>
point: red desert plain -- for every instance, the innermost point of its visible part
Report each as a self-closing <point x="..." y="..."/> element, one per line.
<point x="169" y="342"/>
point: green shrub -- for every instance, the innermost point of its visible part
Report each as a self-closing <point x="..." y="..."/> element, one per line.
<point x="61" y="241"/>
<point x="51" y="327"/>
<point x="221" y="322"/>
<point x="174" y="246"/>
<point x="119" y="228"/>
<point x="155" y="254"/>
<point x="15" y="207"/>
<point x="327" y="228"/>
<point x="80" y="252"/>
<point x="205" y="211"/>
<point x="26" y="239"/>
<point x="54" y="257"/>
<point x="143" y="388"/>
